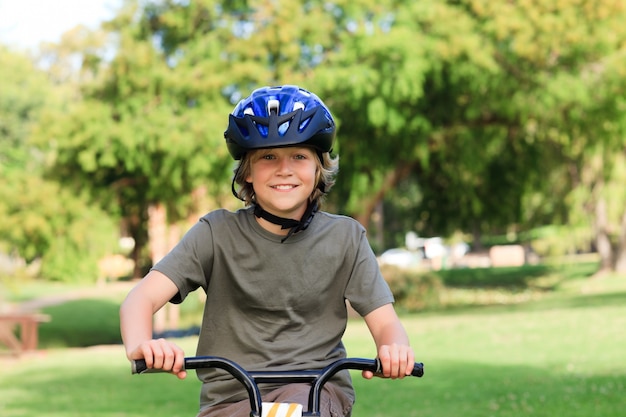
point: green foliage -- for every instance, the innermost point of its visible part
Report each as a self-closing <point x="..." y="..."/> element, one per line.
<point x="393" y="88"/>
<point x="508" y="119"/>
<point x="559" y="241"/>
<point x="147" y="130"/>
<point x="562" y="96"/>
<point x="46" y="222"/>
<point x="41" y="221"/>
<point x="414" y="291"/>
<point x="24" y="93"/>
<point x="400" y="207"/>
<point x="493" y="114"/>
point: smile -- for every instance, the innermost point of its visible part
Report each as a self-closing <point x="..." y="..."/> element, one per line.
<point x="284" y="187"/>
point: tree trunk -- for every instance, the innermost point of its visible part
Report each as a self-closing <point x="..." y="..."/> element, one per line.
<point x="477" y="244"/>
<point x="391" y="180"/>
<point x="133" y="226"/>
<point x="173" y="236"/>
<point x="157" y="215"/>
<point x="167" y="317"/>
<point x="603" y="241"/>
<point x="378" y="220"/>
<point x="620" y="256"/>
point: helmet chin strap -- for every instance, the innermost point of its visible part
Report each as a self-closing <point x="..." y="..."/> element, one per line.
<point x="284" y="223"/>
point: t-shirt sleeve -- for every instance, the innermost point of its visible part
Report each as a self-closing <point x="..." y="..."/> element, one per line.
<point x="367" y="289"/>
<point x="189" y="263"/>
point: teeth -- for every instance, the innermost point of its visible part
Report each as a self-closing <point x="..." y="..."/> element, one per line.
<point x="283" y="187"/>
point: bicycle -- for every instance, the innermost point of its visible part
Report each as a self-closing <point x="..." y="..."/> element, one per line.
<point x="251" y="379"/>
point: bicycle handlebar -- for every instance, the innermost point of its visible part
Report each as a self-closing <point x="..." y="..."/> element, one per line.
<point x="250" y="379"/>
<point x="198" y="362"/>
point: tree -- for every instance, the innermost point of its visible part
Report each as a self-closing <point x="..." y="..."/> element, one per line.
<point x="490" y="115"/>
<point x="411" y="93"/>
<point x="495" y="117"/>
<point x="573" y="55"/>
<point x="41" y="222"/>
<point x="149" y="129"/>
<point x="141" y="136"/>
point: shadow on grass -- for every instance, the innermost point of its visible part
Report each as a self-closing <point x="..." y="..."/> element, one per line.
<point x="502" y="277"/>
<point x="81" y="323"/>
<point x="546" y="277"/>
<point x="615" y="299"/>
<point x="589" y="300"/>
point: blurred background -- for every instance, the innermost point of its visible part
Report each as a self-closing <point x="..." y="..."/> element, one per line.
<point x="466" y="125"/>
<point x="482" y="144"/>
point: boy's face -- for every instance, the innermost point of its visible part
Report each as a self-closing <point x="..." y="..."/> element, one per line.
<point x="283" y="179"/>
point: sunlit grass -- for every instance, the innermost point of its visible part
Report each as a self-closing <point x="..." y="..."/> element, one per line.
<point x="561" y="356"/>
<point x="558" y="355"/>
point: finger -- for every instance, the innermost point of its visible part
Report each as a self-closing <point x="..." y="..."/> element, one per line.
<point x="169" y="352"/>
<point x="405" y="364"/>
<point x="162" y="354"/>
<point x="179" y="361"/>
<point x="147" y="354"/>
<point x="394" y="361"/>
<point x="385" y="360"/>
<point x="157" y="353"/>
<point x="410" y="362"/>
<point x="405" y="361"/>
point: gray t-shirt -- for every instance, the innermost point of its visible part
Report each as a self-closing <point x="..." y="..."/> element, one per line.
<point x="273" y="305"/>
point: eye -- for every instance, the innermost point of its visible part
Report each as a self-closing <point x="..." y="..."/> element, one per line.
<point x="302" y="153"/>
<point x="268" y="156"/>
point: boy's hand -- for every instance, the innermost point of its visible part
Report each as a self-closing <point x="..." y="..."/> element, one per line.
<point x="161" y="354"/>
<point x="397" y="361"/>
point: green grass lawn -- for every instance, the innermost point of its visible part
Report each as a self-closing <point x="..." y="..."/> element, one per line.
<point x="559" y="356"/>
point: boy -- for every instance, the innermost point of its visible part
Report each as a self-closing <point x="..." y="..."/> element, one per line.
<point x="276" y="273"/>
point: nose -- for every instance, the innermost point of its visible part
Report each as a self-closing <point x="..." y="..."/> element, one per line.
<point x="284" y="166"/>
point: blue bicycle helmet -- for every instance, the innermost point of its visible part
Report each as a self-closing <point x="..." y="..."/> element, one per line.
<point x="280" y="116"/>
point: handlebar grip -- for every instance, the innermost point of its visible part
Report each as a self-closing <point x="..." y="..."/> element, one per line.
<point x="418" y="369"/>
<point x="139" y="367"/>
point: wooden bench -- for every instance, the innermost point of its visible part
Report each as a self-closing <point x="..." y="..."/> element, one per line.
<point x="28" y="336"/>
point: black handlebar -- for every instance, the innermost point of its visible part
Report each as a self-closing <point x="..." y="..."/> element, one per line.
<point x="250" y="379"/>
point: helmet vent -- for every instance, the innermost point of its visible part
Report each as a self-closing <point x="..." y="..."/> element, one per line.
<point x="273" y="106"/>
<point x="249" y="111"/>
<point x="298" y="105"/>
